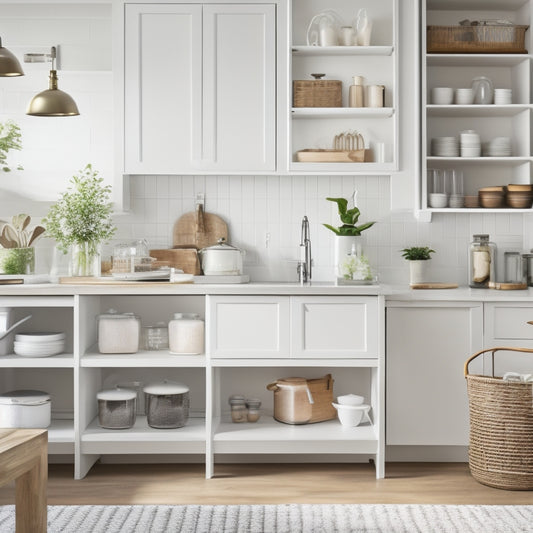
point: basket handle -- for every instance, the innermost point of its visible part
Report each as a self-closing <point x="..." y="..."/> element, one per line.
<point x="494" y="350"/>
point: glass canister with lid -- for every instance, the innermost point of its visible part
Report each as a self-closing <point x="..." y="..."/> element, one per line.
<point x="186" y="334"/>
<point x="118" y="332"/>
<point x="481" y="262"/>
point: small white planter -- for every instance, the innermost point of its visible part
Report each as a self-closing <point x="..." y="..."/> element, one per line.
<point x="345" y="247"/>
<point x="417" y="271"/>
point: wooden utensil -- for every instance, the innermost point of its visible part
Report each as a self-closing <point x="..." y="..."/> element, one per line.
<point x="434" y="285"/>
<point x="198" y="229"/>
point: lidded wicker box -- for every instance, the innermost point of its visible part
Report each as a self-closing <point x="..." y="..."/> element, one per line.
<point x="317" y="92"/>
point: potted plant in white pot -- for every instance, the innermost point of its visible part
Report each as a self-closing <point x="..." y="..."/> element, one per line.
<point x="350" y="261"/>
<point x="17" y="255"/>
<point x="418" y="257"/>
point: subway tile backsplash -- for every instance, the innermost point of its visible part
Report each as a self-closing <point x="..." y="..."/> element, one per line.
<point x="264" y="214"/>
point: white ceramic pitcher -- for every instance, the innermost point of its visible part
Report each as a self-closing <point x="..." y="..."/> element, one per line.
<point x="483" y="90"/>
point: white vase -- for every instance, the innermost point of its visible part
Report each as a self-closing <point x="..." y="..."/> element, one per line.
<point x="345" y="247"/>
<point x="417" y="271"/>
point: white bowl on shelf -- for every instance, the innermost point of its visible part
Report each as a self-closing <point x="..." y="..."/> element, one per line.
<point x="350" y="399"/>
<point x="442" y="95"/>
<point x="352" y="415"/>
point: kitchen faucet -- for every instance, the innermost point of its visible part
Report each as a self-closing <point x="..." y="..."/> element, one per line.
<point x="304" y="263"/>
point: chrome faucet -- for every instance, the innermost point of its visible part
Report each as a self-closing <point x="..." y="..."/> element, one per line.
<point x="305" y="260"/>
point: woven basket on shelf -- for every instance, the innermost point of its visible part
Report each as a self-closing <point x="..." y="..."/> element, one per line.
<point x="501" y="428"/>
<point x="317" y="92"/>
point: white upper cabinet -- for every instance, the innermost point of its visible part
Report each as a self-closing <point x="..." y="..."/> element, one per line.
<point x="199" y="88"/>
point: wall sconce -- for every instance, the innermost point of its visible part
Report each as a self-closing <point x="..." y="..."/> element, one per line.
<point x="9" y="64"/>
<point x="52" y="102"/>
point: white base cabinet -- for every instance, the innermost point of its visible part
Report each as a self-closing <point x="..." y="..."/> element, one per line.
<point x="248" y="345"/>
<point x="427" y="345"/>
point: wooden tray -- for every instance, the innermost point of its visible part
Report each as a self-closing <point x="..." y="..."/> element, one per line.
<point x="312" y="155"/>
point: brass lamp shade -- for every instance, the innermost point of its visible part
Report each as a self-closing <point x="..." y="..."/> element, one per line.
<point x="52" y="102"/>
<point x="9" y="64"/>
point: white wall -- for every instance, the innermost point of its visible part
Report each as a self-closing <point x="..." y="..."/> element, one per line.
<point x="263" y="212"/>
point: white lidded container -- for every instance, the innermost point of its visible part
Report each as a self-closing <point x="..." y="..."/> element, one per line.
<point x="25" y="409"/>
<point x="166" y="404"/>
<point x="116" y="408"/>
<point x="186" y="334"/>
<point x="118" y="332"/>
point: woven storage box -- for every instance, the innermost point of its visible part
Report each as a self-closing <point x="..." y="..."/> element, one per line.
<point x="487" y="38"/>
<point x="317" y="93"/>
<point x="501" y="428"/>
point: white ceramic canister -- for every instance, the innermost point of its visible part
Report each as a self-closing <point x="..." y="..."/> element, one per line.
<point x="25" y="409"/>
<point x="118" y="332"/>
<point x="186" y="334"/>
<point x="375" y="96"/>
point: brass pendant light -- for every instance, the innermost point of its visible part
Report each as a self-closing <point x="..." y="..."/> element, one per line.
<point x="9" y="64"/>
<point x="52" y="102"/>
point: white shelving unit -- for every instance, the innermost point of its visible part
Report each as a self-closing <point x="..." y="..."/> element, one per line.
<point x="355" y="358"/>
<point x="511" y="71"/>
<point x="315" y="128"/>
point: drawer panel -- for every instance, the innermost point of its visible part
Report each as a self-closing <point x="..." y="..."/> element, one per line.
<point x="504" y="322"/>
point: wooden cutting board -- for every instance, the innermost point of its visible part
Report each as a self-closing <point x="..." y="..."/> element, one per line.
<point x="198" y="229"/>
<point x="185" y="259"/>
<point x="434" y="285"/>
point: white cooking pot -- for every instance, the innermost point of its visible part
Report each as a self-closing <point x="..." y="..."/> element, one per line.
<point x="222" y="259"/>
<point x="25" y="409"/>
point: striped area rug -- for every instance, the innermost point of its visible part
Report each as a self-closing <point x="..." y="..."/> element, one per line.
<point x="289" y="518"/>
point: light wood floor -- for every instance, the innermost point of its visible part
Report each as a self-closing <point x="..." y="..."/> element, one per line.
<point x="437" y="483"/>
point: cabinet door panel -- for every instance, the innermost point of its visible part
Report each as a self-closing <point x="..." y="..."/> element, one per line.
<point x="248" y="326"/>
<point x="163" y="77"/>
<point x="334" y="327"/>
<point x="427" y="402"/>
<point x="239" y="87"/>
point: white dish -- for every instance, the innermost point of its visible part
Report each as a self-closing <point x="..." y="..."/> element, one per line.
<point x="27" y="352"/>
<point x="39" y="337"/>
<point x="352" y="415"/>
<point x="161" y="274"/>
<point x="350" y="399"/>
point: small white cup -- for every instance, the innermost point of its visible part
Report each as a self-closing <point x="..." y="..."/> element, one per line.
<point x="442" y="95"/>
<point x="438" y="200"/>
<point x="464" y="96"/>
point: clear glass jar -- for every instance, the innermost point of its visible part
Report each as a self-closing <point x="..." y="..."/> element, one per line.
<point x="155" y="337"/>
<point x="515" y="267"/>
<point x="186" y="334"/>
<point x="481" y="262"/>
<point x="253" y="405"/>
<point x="239" y="412"/>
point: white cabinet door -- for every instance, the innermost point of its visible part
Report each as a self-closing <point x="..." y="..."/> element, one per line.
<point x="200" y="91"/>
<point x="427" y="346"/>
<point x="248" y="326"/>
<point x="163" y="79"/>
<point x="334" y="327"/>
<point x="239" y="87"/>
<point x="506" y="324"/>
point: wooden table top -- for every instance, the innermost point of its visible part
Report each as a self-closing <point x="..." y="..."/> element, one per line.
<point x="11" y="438"/>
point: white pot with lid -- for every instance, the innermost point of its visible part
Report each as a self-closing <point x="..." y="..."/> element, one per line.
<point x="166" y="404"/>
<point x="221" y="259"/>
<point x="25" y="409"/>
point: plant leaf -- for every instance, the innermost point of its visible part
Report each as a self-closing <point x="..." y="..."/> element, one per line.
<point x="333" y="229"/>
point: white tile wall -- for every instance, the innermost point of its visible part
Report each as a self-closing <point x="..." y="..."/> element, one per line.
<point x="264" y="215"/>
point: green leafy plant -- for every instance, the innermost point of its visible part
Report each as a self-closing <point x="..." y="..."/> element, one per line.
<point x="10" y="139"/>
<point x="349" y="219"/>
<point x="417" y="253"/>
<point x="83" y="213"/>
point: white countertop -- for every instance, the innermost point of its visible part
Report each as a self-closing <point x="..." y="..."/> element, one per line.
<point x="391" y="293"/>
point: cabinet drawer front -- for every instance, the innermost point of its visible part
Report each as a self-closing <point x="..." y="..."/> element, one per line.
<point x="508" y="322"/>
<point x="335" y="327"/>
<point x="248" y="326"/>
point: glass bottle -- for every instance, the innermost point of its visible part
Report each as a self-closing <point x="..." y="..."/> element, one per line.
<point x="481" y="262"/>
<point x="239" y="412"/>
<point x="356" y="92"/>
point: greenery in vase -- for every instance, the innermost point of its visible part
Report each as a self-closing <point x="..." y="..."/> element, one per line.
<point x="417" y="253"/>
<point x="357" y="268"/>
<point x="17" y="260"/>
<point x="82" y="214"/>
<point x="10" y="139"/>
<point x="349" y="219"/>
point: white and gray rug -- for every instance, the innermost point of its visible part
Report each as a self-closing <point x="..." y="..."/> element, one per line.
<point x="289" y="518"/>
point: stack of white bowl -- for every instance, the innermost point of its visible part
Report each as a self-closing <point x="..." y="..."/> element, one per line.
<point x="464" y="96"/>
<point x="503" y="96"/>
<point x="350" y="410"/>
<point x="445" y="147"/>
<point x="498" y="147"/>
<point x="39" y="344"/>
<point x="470" y="144"/>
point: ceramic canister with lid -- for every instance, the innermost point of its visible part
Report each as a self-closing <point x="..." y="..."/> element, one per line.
<point x="186" y="334"/>
<point x="25" y="409"/>
<point x="116" y="408"/>
<point x="118" y="332"/>
<point x="167" y="404"/>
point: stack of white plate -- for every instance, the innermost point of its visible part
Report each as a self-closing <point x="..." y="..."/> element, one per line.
<point x="445" y="147"/>
<point x="470" y="144"/>
<point x="498" y="147"/>
<point x="503" y="96"/>
<point x="464" y="96"/>
<point x="39" y="344"/>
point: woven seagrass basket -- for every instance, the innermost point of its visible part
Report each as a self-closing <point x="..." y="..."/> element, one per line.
<point x="501" y="428"/>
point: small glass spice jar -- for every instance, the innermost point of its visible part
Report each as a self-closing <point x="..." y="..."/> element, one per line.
<point x="253" y="405"/>
<point x="239" y="412"/>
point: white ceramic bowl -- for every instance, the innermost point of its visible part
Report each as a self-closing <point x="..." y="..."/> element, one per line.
<point x="350" y="399"/>
<point x="464" y="96"/>
<point x="442" y="95"/>
<point x="438" y="200"/>
<point x="351" y="415"/>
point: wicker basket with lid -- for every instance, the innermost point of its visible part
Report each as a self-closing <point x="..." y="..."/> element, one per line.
<point x="317" y="92"/>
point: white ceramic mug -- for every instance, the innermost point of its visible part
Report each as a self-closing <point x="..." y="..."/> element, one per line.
<point x="346" y="36"/>
<point x="375" y="96"/>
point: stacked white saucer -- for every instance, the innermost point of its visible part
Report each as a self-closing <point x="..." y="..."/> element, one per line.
<point x="503" y="96"/>
<point x="498" y="147"/>
<point x="445" y="147"/>
<point x="470" y="144"/>
<point x="39" y="344"/>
